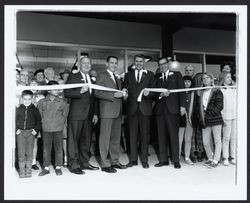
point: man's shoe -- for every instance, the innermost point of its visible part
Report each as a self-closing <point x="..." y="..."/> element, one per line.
<point x="89" y="167"/>
<point x="132" y="163"/>
<point x="208" y="162"/>
<point x="119" y="166"/>
<point x="35" y="167"/>
<point x="77" y="171"/>
<point x="177" y="164"/>
<point x="160" y="164"/>
<point x="58" y="171"/>
<point x="109" y="169"/>
<point x="44" y="172"/>
<point x="212" y="165"/>
<point x="145" y="165"/>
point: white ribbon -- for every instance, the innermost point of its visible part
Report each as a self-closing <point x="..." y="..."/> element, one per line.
<point x="160" y="90"/>
<point x="19" y="89"/>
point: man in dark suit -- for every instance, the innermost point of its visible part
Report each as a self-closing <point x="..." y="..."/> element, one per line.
<point x="167" y="109"/>
<point x="110" y="107"/>
<point x="82" y="111"/>
<point x="138" y="113"/>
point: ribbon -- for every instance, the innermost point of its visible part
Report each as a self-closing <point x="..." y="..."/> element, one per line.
<point x="66" y="86"/>
<point x="160" y="90"/>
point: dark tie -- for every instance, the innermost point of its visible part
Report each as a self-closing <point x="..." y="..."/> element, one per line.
<point x="138" y="77"/>
<point x="115" y="81"/>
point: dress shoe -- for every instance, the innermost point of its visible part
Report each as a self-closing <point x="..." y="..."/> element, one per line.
<point x="177" y="164"/>
<point x="119" y="166"/>
<point x="58" y="171"/>
<point x="160" y="164"/>
<point x="77" y="171"/>
<point x="109" y="169"/>
<point x="44" y="172"/>
<point x="132" y="163"/>
<point x="145" y="165"/>
<point x="35" y="167"/>
<point x="89" y="167"/>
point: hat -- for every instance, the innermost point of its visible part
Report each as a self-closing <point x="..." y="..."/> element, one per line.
<point x="66" y="71"/>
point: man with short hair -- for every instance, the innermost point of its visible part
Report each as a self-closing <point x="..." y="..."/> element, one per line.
<point x="139" y="112"/>
<point x="82" y="111"/>
<point x="189" y="70"/>
<point x="49" y="74"/>
<point x="110" y="106"/>
<point x="168" y="107"/>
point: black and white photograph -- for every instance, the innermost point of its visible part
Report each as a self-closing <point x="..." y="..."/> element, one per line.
<point x="135" y="102"/>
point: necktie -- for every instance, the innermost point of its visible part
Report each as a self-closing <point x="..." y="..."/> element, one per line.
<point x="114" y="78"/>
<point x="138" y="77"/>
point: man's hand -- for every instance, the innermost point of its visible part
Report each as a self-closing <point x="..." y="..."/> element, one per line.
<point x="84" y="89"/>
<point x="18" y="131"/>
<point x="125" y="93"/>
<point x="33" y="132"/>
<point x="95" y="119"/>
<point x="118" y="95"/>
<point x="145" y="93"/>
<point x="183" y="111"/>
<point x="165" y="94"/>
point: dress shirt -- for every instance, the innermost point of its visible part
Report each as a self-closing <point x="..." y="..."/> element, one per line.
<point x="140" y="74"/>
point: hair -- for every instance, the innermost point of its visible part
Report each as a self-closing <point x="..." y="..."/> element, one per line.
<point x="83" y="57"/>
<point x="186" y="77"/>
<point x="47" y="69"/>
<point x="27" y="92"/>
<point x="229" y="63"/>
<point x="222" y="77"/>
<point x="109" y="57"/>
<point x="52" y="82"/>
<point x="38" y="71"/>
<point x="33" y="80"/>
<point x="211" y="76"/>
<point x="162" y="58"/>
<point x="189" y="66"/>
<point x="139" y="56"/>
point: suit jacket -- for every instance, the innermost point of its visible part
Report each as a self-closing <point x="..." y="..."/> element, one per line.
<point x="147" y="81"/>
<point x="174" y="100"/>
<point x="81" y="105"/>
<point x="109" y="106"/>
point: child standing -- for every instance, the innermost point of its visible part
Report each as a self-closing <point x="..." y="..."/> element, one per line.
<point x="229" y="117"/>
<point x="185" y="129"/>
<point x="54" y="113"/>
<point x="28" y="124"/>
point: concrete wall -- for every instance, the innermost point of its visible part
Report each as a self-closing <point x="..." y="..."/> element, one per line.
<point x="205" y="40"/>
<point x="64" y="29"/>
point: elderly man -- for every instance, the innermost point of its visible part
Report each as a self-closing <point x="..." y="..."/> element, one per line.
<point x="49" y="74"/>
<point x="110" y="105"/>
<point x="82" y="111"/>
<point x="189" y="70"/>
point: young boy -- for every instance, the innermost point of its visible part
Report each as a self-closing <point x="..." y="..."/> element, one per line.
<point x="54" y="113"/>
<point x="28" y="124"/>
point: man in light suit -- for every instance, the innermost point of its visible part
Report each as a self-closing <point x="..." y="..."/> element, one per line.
<point x="139" y="113"/>
<point x="110" y="107"/>
<point x="168" y="107"/>
<point x="82" y="111"/>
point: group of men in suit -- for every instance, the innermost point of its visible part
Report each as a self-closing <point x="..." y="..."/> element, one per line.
<point x="87" y="106"/>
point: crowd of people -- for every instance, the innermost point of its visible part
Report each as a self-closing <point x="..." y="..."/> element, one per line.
<point x="200" y="125"/>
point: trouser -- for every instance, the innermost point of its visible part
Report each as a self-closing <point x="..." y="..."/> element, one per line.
<point x="229" y="136"/>
<point x="139" y="127"/>
<point x="168" y="127"/>
<point x="25" y="145"/>
<point x="206" y="133"/>
<point x="109" y="141"/>
<point x="79" y="139"/>
<point x="187" y="134"/>
<point x="55" y="138"/>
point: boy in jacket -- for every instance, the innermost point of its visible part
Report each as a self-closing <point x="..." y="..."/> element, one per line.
<point x="28" y="124"/>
